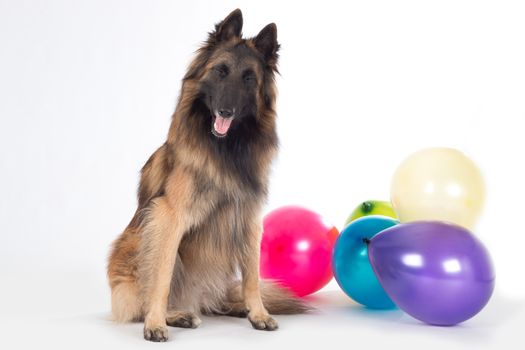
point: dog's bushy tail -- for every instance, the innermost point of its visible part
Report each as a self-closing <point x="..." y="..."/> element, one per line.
<point x="276" y="299"/>
<point x="280" y="301"/>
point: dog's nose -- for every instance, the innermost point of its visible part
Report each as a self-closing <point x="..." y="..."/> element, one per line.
<point x="225" y="113"/>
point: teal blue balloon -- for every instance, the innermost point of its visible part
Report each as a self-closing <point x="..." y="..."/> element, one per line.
<point x="351" y="266"/>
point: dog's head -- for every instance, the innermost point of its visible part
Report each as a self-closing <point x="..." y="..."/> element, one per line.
<point x="234" y="76"/>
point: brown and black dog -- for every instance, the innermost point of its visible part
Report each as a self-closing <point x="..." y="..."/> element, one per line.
<point x="198" y="222"/>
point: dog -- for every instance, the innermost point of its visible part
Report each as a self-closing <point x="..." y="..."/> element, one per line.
<point x="193" y="245"/>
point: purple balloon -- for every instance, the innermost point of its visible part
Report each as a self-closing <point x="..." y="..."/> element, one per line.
<point x="436" y="272"/>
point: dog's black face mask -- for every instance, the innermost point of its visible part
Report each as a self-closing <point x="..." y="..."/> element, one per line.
<point x="230" y="88"/>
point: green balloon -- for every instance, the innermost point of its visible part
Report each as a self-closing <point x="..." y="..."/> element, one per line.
<point x="372" y="208"/>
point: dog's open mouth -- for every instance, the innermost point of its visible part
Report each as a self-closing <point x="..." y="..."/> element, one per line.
<point x="221" y="125"/>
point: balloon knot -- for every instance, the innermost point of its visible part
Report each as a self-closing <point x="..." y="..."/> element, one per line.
<point x="367" y="207"/>
<point x="366" y="241"/>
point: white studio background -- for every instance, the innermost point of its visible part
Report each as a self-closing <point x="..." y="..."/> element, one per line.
<point x="87" y="89"/>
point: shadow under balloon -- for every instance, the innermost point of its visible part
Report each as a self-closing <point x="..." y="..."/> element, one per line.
<point x="338" y="304"/>
<point x="499" y="312"/>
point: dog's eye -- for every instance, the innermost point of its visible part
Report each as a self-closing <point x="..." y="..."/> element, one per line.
<point x="249" y="76"/>
<point x="221" y="70"/>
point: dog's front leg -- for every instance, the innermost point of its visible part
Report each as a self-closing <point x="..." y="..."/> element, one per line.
<point x="258" y="316"/>
<point x="160" y="242"/>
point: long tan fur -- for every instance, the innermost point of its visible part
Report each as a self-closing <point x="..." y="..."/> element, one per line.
<point x="198" y="221"/>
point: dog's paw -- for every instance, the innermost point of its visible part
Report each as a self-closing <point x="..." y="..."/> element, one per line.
<point x="234" y="310"/>
<point x="183" y="320"/>
<point x="156" y="334"/>
<point x="241" y="313"/>
<point x="263" y="322"/>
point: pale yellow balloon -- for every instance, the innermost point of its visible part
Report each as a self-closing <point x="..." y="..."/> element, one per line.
<point x="438" y="184"/>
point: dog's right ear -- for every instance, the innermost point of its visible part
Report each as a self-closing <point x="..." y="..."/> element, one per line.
<point x="230" y="27"/>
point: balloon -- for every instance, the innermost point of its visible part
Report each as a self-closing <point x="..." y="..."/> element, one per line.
<point x="438" y="184"/>
<point x="296" y="249"/>
<point x="437" y="272"/>
<point x="372" y="208"/>
<point x="352" y="269"/>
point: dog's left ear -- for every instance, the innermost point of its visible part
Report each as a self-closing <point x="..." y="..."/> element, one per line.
<point x="230" y="27"/>
<point x="266" y="42"/>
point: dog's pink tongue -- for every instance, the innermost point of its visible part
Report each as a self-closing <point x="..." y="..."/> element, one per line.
<point x="222" y="125"/>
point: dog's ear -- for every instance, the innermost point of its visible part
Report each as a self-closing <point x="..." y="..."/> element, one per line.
<point x="230" y="27"/>
<point x="266" y="42"/>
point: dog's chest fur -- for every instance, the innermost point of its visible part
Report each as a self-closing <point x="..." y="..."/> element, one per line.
<point x="224" y="206"/>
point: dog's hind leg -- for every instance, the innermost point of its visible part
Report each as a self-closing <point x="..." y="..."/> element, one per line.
<point x="233" y="309"/>
<point x="126" y="303"/>
<point x="233" y="305"/>
<point x="182" y="319"/>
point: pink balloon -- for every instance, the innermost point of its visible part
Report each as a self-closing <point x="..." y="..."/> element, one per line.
<point x="296" y="249"/>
